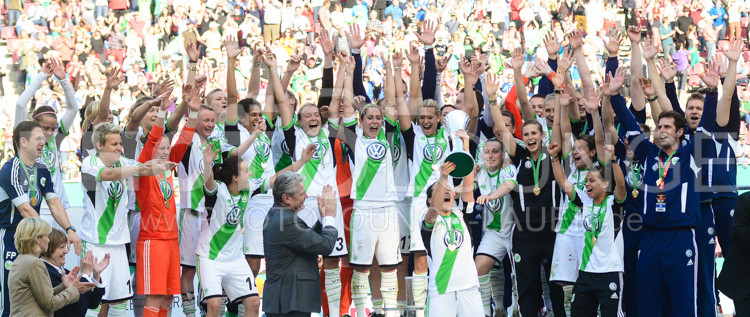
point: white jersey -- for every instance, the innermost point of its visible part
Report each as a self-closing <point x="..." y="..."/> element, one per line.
<point x="221" y="235"/>
<point x="400" y="163"/>
<point x="190" y="174"/>
<point x="132" y="203"/>
<point x="498" y="214"/>
<point x="570" y="219"/>
<point x="424" y="169"/>
<point x="452" y="267"/>
<point x="105" y="214"/>
<point x="373" y="180"/>
<point x="320" y="170"/>
<point x="259" y="156"/>
<point x="600" y="251"/>
<point x="51" y="158"/>
<point x="282" y="157"/>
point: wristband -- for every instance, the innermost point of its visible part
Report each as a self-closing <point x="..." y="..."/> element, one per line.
<point x="397" y="68"/>
<point x="161" y="113"/>
<point x="493" y="101"/>
<point x="193" y="114"/>
<point x="427" y="47"/>
<point x="192" y="61"/>
<point x="554" y="158"/>
<point x="356" y="51"/>
<point x="714" y="90"/>
<point x="549" y="71"/>
<point x="557" y="91"/>
<point x="551" y="75"/>
<point x="652" y="99"/>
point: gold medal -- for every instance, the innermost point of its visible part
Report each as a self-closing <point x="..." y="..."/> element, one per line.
<point x="166" y="204"/>
<point x="635" y="193"/>
<point x="435" y="167"/>
<point x="658" y="182"/>
<point x="33" y="201"/>
<point x="593" y="240"/>
<point x="242" y="231"/>
<point x="451" y="247"/>
<point x="263" y="165"/>
<point x="536" y="190"/>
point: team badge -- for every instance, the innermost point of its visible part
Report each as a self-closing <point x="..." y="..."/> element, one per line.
<point x="396" y="153"/>
<point x="675" y="160"/>
<point x="320" y="151"/>
<point x="494" y="206"/>
<point x="655" y="167"/>
<point x="591" y="223"/>
<point x="517" y="258"/>
<point x="8" y="265"/>
<point x="527" y="164"/>
<point x="376" y="151"/>
<point x="166" y="188"/>
<point x="428" y="150"/>
<point x="233" y="217"/>
<point x="710" y="230"/>
<point x="458" y="240"/>
<point x="689" y="253"/>
<point x="612" y="286"/>
<point x="115" y="189"/>
<point x="285" y="148"/>
<point x="43" y="181"/>
<point x="263" y="149"/>
<point x="731" y="213"/>
<point x="49" y="158"/>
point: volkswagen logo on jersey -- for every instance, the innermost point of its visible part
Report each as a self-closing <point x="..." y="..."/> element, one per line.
<point x="376" y="151"/>
<point x="458" y="239"/>
<point x="115" y="189"/>
<point x="285" y="148"/>
<point x="166" y="188"/>
<point x="263" y="149"/>
<point x="37" y="198"/>
<point x="49" y="158"/>
<point x="396" y="153"/>
<point x="427" y="152"/>
<point x="233" y="217"/>
<point x="320" y="151"/>
<point x="494" y="206"/>
<point x="631" y="174"/>
<point x="591" y="223"/>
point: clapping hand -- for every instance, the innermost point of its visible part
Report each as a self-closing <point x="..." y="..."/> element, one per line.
<point x="327" y="202"/>
<point x="308" y="152"/>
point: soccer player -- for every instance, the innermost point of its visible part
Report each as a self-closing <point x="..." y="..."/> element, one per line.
<point x="23" y="184"/>
<point x="104" y="225"/>
<point x="453" y="285"/>
<point x="55" y="130"/>
<point x="158" y="249"/>
<point x="98" y="111"/>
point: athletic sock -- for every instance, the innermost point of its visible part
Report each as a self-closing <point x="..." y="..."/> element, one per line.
<point x="497" y="279"/>
<point x="568" y="292"/>
<point x="163" y="312"/>
<point x="94" y="312"/>
<point x="188" y="304"/>
<point x="389" y="289"/>
<point x="377" y="304"/>
<point x="149" y="311"/>
<point x="346" y="288"/>
<point x="138" y="302"/>
<point x="360" y="288"/>
<point x="485" y="288"/>
<point x="419" y="288"/>
<point x="333" y="291"/>
<point x="117" y="310"/>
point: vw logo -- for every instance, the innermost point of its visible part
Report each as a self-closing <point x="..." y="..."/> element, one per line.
<point x="285" y="148"/>
<point x="427" y="152"/>
<point x="166" y="189"/>
<point x="37" y="199"/>
<point x="320" y="151"/>
<point x="396" y="153"/>
<point x="200" y="166"/>
<point x="262" y="148"/>
<point x="458" y="238"/>
<point x="115" y="190"/>
<point x="494" y="206"/>
<point x="49" y="157"/>
<point x="233" y="217"/>
<point x="376" y="151"/>
<point x="591" y="223"/>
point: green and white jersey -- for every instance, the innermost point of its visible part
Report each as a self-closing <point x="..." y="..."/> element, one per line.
<point x="259" y="156"/>
<point x="190" y="174"/>
<point x="479" y="159"/>
<point x="570" y="218"/>
<point x="448" y="245"/>
<point x="320" y="170"/>
<point x="220" y="238"/>
<point x="372" y="166"/>
<point x="282" y="157"/>
<point x="400" y="164"/>
<point x="427" y="154"/>
<point x="600" y="251"/>
<point x="218" y="132"/>
<point x="105" y="213"/>
<point x="138" y="147"/>
<point x="51" y="158"/>
<point x="498" y="214"/>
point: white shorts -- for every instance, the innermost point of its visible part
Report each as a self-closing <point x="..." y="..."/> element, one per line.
<point x="116" y="277"/>
<point x="566" y="261"/>
<point x="374" y="232"/>
<point x="190" y="229"/>
<point x="465" y="303"/>
<point x="258" y="206"/>
<point x="310" y="215"/>
<point x="403" y="225"/>
<point x="494" y="245"/>
<point x="235" y="278"/>
<point x="417" y="212"/>
<point x="135" y="229"/>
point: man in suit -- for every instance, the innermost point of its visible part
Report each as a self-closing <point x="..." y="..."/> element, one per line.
<point x="735" y="274"/>
<point x="292" y="286"/>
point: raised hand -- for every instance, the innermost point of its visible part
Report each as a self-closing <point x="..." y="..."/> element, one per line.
<point x="308" y="152"/>
<point x="398" y="59"/>
<point x="192" y="51"/>
<point x="269" y="59"/>
<point x="647" y="86"/>
<point x="447" y="168"/>
<point x="634" y="34"/>
<point x="542" y="66"/>
<point x="355" y="37"/>
<point x="552" y="45"/>
<point x="258" y="52"/>
<point x="327" y="202"/>
<point x="293" y="63"/>
<point x="616" y="82"/>
<point x="428" y="33"/>
<point x="200" y="81"/>
<point x="734" y="51"/>
<point x="575" y="38"/>
<point x="99" y="266"/>
<point x="413" y="54"/>
<point x="325" y="42"/>
<point x="564" y="63"/>
<point x="465" y="66"/>
<point x="114" y="77"/>
<point x="359" y="102"/>
<point x="722" y="66"/>
<point x="491" y="85"/>
<point x="163" y="86"/>
<point x="209" y="154"/>
<point x="260" y="127"/>
<point x="667" y="70"/>
<point x="166" y="100"/>
<point x="565" y="94"/>
<point x="233" y="49"/>
<point x="47" y="68"/>
<point x="516" y="59"/>
<point x="613" y="45"/>
<point x="605" y="86"/>
<point x="57" y="68"/>
<point x="711" y="76"/>
<point x="87" y="263"/>
<point x="553" y="149"/>
<point x="592" y="103"/>
<point x="441" y="62"/>
<point x="648" y="48"/>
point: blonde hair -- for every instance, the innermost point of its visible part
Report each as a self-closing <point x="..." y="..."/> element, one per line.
<point x="210" y="95"/>
<point x="27" y="233"/>
<point x="103" y="130"/>
<point x="429" y="103"/>
<point x="89" y="114"/>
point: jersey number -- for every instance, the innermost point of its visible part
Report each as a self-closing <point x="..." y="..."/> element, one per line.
<point x="403" y="243"/>
<point x="130" y="287"/>
<point x="339" y="244"/>
<point x="250" y="281"/>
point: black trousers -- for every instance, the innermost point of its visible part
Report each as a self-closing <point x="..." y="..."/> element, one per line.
<point x="531" y="250"/>
<point x="289" y="314"/>
<point x="595" y="291"/>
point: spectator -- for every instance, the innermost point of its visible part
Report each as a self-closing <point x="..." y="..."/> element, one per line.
<point x="396" y="13"/>
<point x="14" y="11"/>
<point x="734" y="13"/>
<point x="271" y="20"/>
<point x="30" y="291"/>
<point x="684" y="21"/>
<point x="682" y="59"/>
<point x="718" y="14"/>
<point x="711" y="35"/>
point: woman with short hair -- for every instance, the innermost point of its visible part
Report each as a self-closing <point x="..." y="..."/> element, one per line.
<point x="30" y="291"/>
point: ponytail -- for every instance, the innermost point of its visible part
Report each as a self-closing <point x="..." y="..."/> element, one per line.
<point x="225" y="171"/>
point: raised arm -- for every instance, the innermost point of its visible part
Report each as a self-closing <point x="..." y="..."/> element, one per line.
<point x="279" y="93"/>
<point x="415" y="84"/>
<point x="636" y="69"/>
<point x="356" y="42"/>
<point x="390" y="90"/>
<point x="592" y="108"/>
<point x="653" y="101"/>
<point x="492" y="84"/>
<point x="347" y="101"/>
<point x="471" y="76"/>
<point x="209" y="155"/>
<point x="730" y="84"/>
<point x="71" y="103"/>
<point x="339" y="88"/>
<point x="326" y="90"/>
<point x="137" y="115"/>
<point x="557" y="170"/>
<point x="233" y="50"/>
<point x="430" y="70"/>
<point x="253" y="86"/>
<point x="649" y="53"/>
<point x="402" y="111"/>
<point x="523" y="96"/>
<point x="621" y="190"/>
<point x="436" y="203"/>
<point x="114" y="78"/>
<point x="28" y="93"/>
<point x="576" y="43"/>
<point x="291" y="67"/>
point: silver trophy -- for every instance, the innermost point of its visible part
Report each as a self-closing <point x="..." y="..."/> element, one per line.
<point x="454" y="121"/>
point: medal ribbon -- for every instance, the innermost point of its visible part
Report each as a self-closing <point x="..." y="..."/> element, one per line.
<point x="664" y="169"/>
<point x="32" y="183"/>
<point x="52" y="147"/>
<point x="536" y="164"/>
<point x="163" y="178"/>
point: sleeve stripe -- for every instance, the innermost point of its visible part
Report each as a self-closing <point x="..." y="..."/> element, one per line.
<point x="14" y="180"/>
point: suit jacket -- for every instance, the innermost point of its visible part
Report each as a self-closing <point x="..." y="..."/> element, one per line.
<point x="735" y="274"/>
<point x="30" y="291"/>
<point x="291" y="251"/>
<point x="88" y="300"/>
